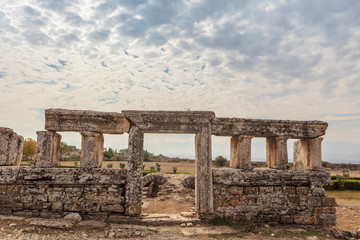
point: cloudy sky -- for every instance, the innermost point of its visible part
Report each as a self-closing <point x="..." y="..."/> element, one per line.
<point x="295" y="59"/>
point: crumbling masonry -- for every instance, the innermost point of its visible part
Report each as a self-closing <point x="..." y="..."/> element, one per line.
<point x="242" y="195"/>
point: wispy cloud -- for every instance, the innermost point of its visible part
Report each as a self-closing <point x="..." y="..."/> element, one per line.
<point x="274" y="59"/>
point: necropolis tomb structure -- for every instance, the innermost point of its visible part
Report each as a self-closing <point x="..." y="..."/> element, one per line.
<point x="241" y="194"/>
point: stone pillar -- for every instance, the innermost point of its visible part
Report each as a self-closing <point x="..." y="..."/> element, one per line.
<point x="307" y="154"/>
<point x="133" y="193"/>
<point x="240" y="152"/>
<point x="276" y="152"/>
<point x="203" y="169"/>
<point x="48" y="149"/>
<point x="11" y="147"/>
<point x="92" y="147"/>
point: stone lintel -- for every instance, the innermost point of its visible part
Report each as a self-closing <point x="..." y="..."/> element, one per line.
<point x="203" y="179"/>
<point x="240" y="152"/>
<point x="276" y="152"/>
<point x="11" y="147"/>
<point x="307" y="154"/>
<point x="267" y="128"/>
<point x="83" y="120"/>
<point x="48" y="149"/>
<point x="169" y="121"/>
<point x="92" y="146"/>
<point x="133" y="193"/>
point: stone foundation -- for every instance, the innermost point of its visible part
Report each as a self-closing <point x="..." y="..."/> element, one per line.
<point x="273" y="196"/>
<point x="52" y="192"/>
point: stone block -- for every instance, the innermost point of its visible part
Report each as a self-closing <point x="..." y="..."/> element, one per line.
<point x="170" y="121"/>
<point x="329" y="210"/>
<point x="92" y="146"/>
<point x="307" y="154"/>
<point x="48" y="149"/>
<point x="276" y="152"/>
<point x="203" y="168"/>
<point x="85" y="121"/>
<point x="133" y="193"/>
<point x="287" y="219"/>
<point x="11" y="147"/>
<point x="329" y="201"/>
<point x="267" y="128"/>
<point x="240" y="152"/>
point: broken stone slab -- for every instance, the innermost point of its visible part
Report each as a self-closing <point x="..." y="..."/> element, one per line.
<point x="91" y="224"/>
<point x="11" y="147"/>
<point x="51" y="223"/>
<point x="169" y="121"/>
<point x="267" y="128"/>
<point x="11" y="218"/>
<point x="84" y="120"/>
<point x="48" y="149"/>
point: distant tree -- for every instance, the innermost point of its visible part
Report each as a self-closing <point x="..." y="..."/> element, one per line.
<point x="108" y="154"/>
<point x="146" y="155"/>
<point x="29" y="148"/>
<point x="158" y="168"/>
<point x="64" y="148"/>
<point x="220" y="161"/>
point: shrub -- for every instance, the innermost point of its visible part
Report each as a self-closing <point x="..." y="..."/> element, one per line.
<point x="158" y="167"/>
<point x="122" y="165"/>
<point x="220" y="161"/>
<point x="346" y="184"/>
<point x="109" y="165"/>
<point x="152" y="169"/>
<point x="346" y="173"/>
<point x="174" y="170"/>
<point x="76" y="164"/>
<point x="219" y="221"/>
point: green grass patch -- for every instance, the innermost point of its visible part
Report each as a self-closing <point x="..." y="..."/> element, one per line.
<point x="146" y="172"/>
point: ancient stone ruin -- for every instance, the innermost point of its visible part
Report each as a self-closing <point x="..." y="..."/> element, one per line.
<point x="241" y="195"/>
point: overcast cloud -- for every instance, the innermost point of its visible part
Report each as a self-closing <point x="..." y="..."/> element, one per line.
<point x="256" y="59"/>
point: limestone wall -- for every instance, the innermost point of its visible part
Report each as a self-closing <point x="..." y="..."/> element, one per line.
<point x="273" y="196"/>
<point x="53" y="192"/>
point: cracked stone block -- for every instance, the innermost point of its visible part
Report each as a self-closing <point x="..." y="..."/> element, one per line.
<point x="92" y="146"/>
<point x="48" y="149"/>
<point x="11" y="147"/>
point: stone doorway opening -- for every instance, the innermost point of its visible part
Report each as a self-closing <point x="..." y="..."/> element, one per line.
<point x="163" y="190"/>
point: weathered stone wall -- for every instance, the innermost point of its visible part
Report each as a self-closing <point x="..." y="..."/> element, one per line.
<point x="278" y="196"/>
<point x="52" y="192"/>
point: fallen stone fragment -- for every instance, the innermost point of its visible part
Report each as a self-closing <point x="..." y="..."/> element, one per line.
<point x="51" y="223"/>
<point x="188" y="214"/>
<point x="11" y="218"/>
<point x="92" y="224"/>
<point x="73" y="217"/>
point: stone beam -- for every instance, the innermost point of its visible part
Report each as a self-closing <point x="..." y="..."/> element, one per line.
<point x="92" y="147"/>
<point x="240" y="152"/>
<point x="48" y="149"/>
<point x="169" y="121"/>
<point x="267" y="128"/>
<point x="133" y="193"/>
<point x="307" y="154"/>
<point x="11" y="147"/>
<point x="203" y="169"/>
<point x="276" y="152"/>
<point x="82" y="120"/>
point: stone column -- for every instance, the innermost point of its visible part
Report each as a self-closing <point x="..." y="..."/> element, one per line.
<point x="92" y="147"/>
<point x="133" y="193"/>
<point x="11" y="147"/>
<point x="307" y="154"/>
<point x="240" y="152"/>
<point x="276" y="152"/>
<point x="203" y="169"/>
<point x="48" y="149"/>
